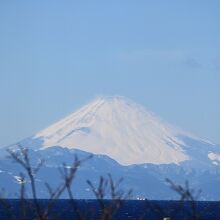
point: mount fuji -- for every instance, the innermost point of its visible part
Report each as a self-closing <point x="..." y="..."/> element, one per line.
<point x="126" y="132"/>
<point x="127" y="141"/>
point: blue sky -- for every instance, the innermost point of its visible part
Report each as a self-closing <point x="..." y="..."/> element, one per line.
<point x="57" y="55"/>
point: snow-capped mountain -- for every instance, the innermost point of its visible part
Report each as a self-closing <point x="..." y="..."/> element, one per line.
<point x="126" y="132"/>
<point x="127" y="141"/>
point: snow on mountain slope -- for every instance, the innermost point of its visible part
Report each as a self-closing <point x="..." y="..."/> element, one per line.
<point x="121" y="129"/>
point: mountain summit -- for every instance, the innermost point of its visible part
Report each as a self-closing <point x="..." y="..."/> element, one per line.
<point x="126" y="132"/>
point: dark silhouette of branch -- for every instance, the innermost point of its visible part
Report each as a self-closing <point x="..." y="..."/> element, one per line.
<point x="22" y="197"/>
<point x="107" y="186"/>
<point x="186" y="194"/>
<point x="22" y="158"/>
<point x="68" y="174"/>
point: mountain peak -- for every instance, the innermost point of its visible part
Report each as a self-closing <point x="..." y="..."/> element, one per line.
<point x="111" y="98"/>
<point x="113" y="101"/>
<point x="117" y="127"/>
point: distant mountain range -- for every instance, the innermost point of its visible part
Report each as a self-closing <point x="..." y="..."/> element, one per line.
<point x="127" y="141"/>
